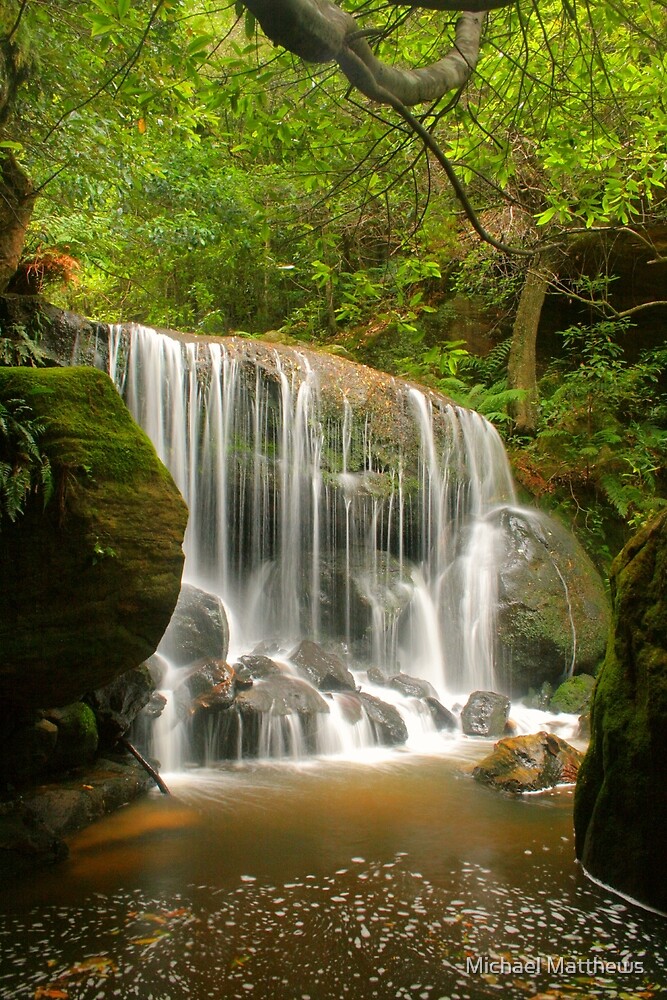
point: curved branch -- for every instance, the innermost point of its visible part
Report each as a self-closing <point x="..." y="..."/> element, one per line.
<point x="319" y="31"/>
<point x="478" y="6"/>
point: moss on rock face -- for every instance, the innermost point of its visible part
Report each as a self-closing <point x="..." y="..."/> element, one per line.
<point x="620" y="808"/>
<point x="573" y="694"/>
<point x="553" y="614"/>
<point x="88" y="584"/>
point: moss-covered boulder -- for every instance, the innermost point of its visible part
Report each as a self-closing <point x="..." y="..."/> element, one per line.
<point x="77" y="740"/>
<point x="553" y="615"/>
<point x="620" y="808"/>
<point x="530" y="763"/>
<point x="573" y="695"/>
<point x="88" y="583"/>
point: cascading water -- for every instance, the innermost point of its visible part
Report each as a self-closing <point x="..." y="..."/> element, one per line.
<point x="309" y="524"/>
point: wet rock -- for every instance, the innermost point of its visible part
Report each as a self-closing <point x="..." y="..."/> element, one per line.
<point x="350" y="707"/>
<point x="620" y="806"/>
<point x="411" y="687"/>
<point x="155" y="706"/>
<point x="348" y="594"/>
<point x="255" y="666"/>
<point x="158" y="668"/>
<point x="529" y="763"/>
<point x="117" y="704"/>
<point x="548" y="587"/>
<point x="573" y="695"/>
<point x="325" y="670"/>
<point x="485" y="714"/>
<point x="376" y="676"/>
<point x="87" y="584"/>
<point x="208" y="684"/>
<point x="539" y="699"/>
<point x="281" y="695"/>
<point x="198" y="628"/>
<point x="96" y="791"/>
<point x="443" y="718"/>
<point x="390" y="730"/>
<point x="77" y="739"/>
<point x="277" y="717"/>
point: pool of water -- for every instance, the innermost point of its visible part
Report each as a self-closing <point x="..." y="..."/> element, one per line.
<point x="395" y="876"/>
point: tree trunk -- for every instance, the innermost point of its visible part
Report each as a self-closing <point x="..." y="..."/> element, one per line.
<point x="17" y="200"/>
<point x="522" y="364"/>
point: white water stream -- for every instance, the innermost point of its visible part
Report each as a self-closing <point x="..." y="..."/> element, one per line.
<point x="307" y="527"/>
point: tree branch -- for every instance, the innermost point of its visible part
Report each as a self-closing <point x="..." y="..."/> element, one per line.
<point x="476" y="6"/>
<point x="319" y="31"/>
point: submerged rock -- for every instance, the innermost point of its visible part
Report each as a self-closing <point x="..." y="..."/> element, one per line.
<point x="87" y="584"/>
<point x="325" y="670"/>
<point x="620" y="806"/>
<point x="485" y="714"/>
<point x="197" y="630"/>
<point x="529" y="763"/>
<point x="553" y="613"/>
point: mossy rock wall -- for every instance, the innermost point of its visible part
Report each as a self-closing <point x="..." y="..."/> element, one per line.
<point x="620" y="808"/>
<point x="553" y="614"/>
<point x="87" y="584"/>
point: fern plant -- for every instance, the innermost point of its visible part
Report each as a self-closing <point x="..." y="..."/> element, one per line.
<point x="24" y="467"/>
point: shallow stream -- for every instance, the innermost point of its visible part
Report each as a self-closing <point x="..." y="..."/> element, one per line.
<point x="391" y="876"/>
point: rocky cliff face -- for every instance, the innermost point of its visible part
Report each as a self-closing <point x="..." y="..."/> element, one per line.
<point x="88" y="583"/>
<point x="620" y="808"/>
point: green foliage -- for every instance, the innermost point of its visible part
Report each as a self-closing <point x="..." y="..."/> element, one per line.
<point x="601" y="446"/>
<point x="19" y="347"/>
<point x="24" y="467"/>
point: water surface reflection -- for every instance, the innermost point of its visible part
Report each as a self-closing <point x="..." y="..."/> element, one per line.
<point x="399" y="877"/>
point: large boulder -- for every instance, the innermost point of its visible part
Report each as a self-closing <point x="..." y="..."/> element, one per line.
<point x="485" y="714"/>
<point x="529" y="764"/>
<point x="87" y="584"/>
<point x="553" y="611"/>
<point x="620" y="807"/>
<point x="197" y="630"/>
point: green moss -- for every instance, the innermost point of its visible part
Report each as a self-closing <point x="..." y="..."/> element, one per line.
<point x="87" y="585"/>
<point x="75" y="402"/>
<point x="77" y="738"/>
<point x="620" y="808"/>
<point x="573" y="694"/>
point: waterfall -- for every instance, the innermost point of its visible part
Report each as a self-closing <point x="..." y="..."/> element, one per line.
<point x="309" y="523"/>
